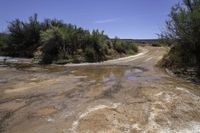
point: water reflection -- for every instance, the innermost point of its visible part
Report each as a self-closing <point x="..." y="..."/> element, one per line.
<point x="111" y="73"/>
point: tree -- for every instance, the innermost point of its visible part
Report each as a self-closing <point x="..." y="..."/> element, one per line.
<point x="3" y="39"/>
<point x="53" y="41"/>
<point x="23" y="37"/>
<point x="183" y="30"/>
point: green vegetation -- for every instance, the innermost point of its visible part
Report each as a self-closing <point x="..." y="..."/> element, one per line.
<point x="53" y="41"/>
<point x="3" y="38"/>
<point x="150" y="42"/>
<point x="183" y="34"/>
<point x="124" y="47"/>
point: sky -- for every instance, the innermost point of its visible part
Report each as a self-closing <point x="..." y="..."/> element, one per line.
<point x="128" y="19"/>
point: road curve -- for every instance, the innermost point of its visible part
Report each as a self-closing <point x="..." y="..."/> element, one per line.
<point x="127" y="95"/>
<point x="142" y="51"/>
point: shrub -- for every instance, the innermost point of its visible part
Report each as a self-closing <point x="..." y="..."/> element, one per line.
<point x="52" y="40"/>
<point x="23" y="37"/>
<point x="183" y="32"/>
<point x="3" y="39"/>
<point x="90" y="54"/>
<point x="125" y="47"/>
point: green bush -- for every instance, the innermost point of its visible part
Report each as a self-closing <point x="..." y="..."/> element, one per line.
<point x="23" y="37"/>
<point x="3" y="39"/>
<point x="53" y="41"/>
<point x="90" y="55"/>
<point x="183" y="33"/>
<point x="125" y="47"/>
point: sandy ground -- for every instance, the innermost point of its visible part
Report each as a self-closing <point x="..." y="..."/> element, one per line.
<point x="128" y="95"/>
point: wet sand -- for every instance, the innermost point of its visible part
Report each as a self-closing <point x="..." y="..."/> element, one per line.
<point x="127" y="95"/>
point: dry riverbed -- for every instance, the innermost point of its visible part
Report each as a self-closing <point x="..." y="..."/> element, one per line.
<point x="128" y="95"/>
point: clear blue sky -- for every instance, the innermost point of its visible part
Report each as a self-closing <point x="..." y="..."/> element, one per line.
<point x="123" y="18"/>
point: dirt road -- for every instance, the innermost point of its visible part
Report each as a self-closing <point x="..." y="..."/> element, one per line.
<point x="128" y="95"/>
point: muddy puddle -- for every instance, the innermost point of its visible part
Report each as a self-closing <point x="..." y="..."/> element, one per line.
<point x="105" y="75"/>
<point x="94" y="73"/>
<point x="110" y="73"/>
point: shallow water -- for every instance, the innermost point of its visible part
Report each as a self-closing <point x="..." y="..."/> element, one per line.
<point x="110" y="73"/>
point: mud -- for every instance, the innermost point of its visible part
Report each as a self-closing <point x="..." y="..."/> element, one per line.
<point x="128" y="95"/>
